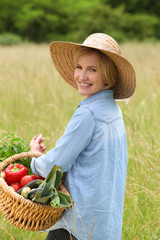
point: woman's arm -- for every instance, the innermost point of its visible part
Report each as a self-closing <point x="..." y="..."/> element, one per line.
<point x="75" y="139"/>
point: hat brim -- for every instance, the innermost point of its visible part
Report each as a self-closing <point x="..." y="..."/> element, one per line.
<point x="62" y="54"/>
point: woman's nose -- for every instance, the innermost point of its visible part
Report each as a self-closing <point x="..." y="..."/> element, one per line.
<point x="83" y="76"/>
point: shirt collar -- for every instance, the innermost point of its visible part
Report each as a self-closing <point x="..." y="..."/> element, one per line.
<point x="105" y="94"/>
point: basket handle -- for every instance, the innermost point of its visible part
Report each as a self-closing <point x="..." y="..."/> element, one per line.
<point x="15" y="157"/>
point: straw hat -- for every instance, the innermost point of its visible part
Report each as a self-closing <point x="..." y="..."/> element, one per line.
<point x="62" y="54"/>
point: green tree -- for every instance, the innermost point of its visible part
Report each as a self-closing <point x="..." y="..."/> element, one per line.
<point x="38" y="18"/>
<point x="137" y="6"/>
<point x="45" y="20"/>
<point x="48" y="20"/>
<point x="117" y="23"/>
<point x="8" y="15"/>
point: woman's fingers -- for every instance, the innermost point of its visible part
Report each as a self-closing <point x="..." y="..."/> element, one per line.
<point x="37" y="144"/>
<point x="43" y="147"/>
<point x="37" y="136"/>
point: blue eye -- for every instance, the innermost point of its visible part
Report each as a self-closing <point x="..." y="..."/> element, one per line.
<point x="93" y="69"/>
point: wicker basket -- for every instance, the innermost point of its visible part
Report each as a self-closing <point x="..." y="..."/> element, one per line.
<point x="22" y="212"/>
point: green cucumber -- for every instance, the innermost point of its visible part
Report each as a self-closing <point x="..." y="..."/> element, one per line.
<point x="34" y="184"/>
<point x="32" y="193"/>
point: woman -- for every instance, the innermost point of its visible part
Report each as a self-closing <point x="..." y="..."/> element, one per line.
<point x="93" y="149"/>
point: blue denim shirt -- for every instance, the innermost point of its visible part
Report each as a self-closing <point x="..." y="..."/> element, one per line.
<point x="93" y="152"/>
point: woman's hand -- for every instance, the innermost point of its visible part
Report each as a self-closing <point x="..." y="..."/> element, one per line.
<point x="37" y="145"/>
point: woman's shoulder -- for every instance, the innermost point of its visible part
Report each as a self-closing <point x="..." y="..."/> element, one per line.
<point x="103" y="110"/>
<point x="84" y="113"/>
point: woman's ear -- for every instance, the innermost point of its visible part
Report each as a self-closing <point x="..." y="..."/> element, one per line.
<point x="106" y="85"/>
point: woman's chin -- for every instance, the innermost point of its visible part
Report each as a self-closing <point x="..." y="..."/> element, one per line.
<point x="84" y="93"/>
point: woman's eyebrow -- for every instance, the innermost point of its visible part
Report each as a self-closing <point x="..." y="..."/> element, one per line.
<point x="92" y="66"/>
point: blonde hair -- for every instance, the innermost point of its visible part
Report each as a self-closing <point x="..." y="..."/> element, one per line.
<point x="107" y="68"/>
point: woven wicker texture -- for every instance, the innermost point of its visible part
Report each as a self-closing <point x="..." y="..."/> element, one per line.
<point x="22" y="212"/>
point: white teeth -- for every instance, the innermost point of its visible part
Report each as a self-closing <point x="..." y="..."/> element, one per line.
<point x="85" y="84"/>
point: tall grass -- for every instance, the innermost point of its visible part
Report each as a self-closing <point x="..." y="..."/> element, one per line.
<point x="142" y="199"/>
<point x="33" y="99"/>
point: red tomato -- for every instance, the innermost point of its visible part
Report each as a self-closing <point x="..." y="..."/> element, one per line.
<point x="16" y="186"/>
<point x="39" y="177"/>
<point x="26" y="179"/>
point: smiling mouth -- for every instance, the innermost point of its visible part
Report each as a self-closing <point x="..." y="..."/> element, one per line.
<point x="85" y="84"/>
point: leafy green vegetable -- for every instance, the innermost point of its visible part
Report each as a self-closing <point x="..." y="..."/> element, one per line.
<point x="42" y="199"/>
<point x="11" y="145"/>
<point x="60" y="200"/>
<point x="49" y="185"/>
<point x="55" y="200"/>
<point x="65" y="200"/>
<point x="48" y="190"/>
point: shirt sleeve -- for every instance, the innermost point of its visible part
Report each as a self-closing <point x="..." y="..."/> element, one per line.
<point x="75" y="139"/>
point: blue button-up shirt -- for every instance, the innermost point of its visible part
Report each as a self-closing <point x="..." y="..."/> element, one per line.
<point x="93" y="152"/>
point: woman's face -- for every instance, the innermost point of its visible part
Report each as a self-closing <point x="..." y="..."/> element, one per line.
<point x="88" y="76"/>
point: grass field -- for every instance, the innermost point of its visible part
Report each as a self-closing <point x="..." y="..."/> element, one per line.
<point x="33" y="99"/>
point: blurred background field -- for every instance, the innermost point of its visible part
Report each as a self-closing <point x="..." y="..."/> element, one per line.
<point x="34" y="99"/>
